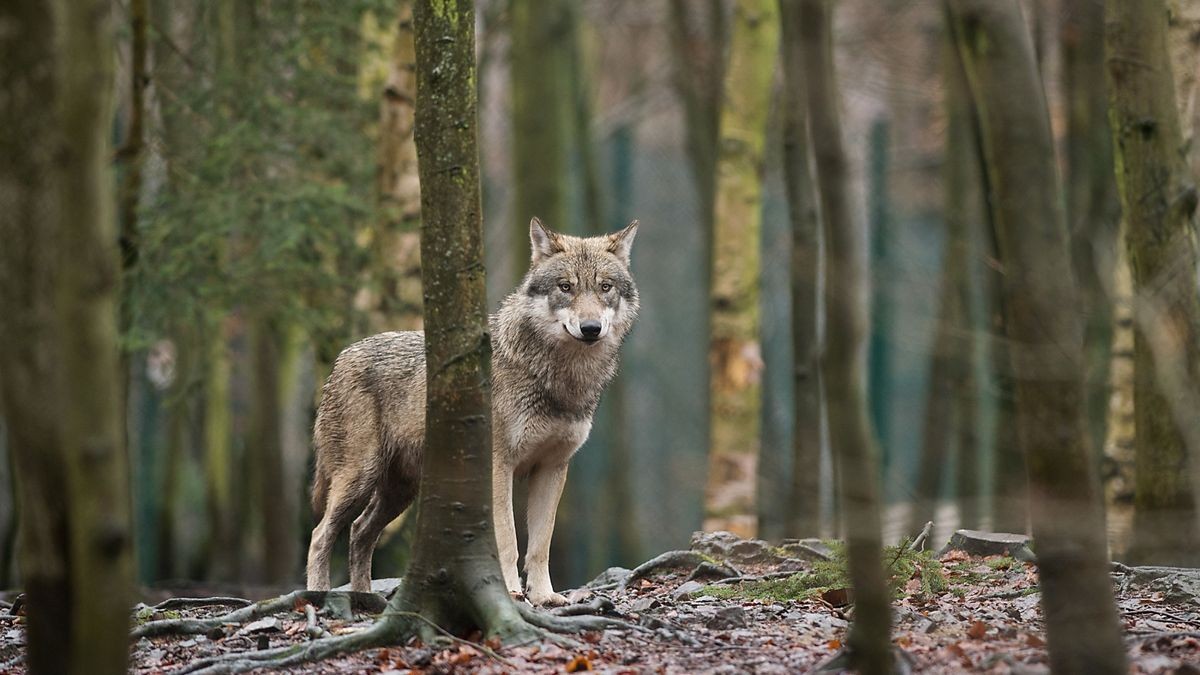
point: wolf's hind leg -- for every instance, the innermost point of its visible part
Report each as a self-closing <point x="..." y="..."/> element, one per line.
<point x="343" y="501"/>
<point x="545" y="488"/>
<point x="383" y="508"/>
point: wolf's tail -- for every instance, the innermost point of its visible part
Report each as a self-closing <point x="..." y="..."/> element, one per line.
<point x="320" y="489"/>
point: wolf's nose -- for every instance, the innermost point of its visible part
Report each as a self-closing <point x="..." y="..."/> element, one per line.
<point x="590" y="329"/>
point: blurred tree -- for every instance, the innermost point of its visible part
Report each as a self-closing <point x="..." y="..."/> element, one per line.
<point x="394" y="301"/>
<point x="1158" y="194"/>
<point x="1046" y="335"/>
<point x="735" y="354"/>
<point x="950" y="402"/>
<point x="1183" y="40"/>
<point x="803" y="515"/>
<point x="59" y="337"/>
<point x="540" y="57"/>
<point x="846" y="303"/>
<point x="882" y="327"/>
<point x="1093" y="208"/>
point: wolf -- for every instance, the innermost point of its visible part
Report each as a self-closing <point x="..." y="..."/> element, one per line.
<point x="555" y="343"/>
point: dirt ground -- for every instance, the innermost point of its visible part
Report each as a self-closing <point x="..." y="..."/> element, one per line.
<point x="742" y="613"/>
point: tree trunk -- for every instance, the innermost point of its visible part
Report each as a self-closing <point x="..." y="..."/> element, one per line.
<point x="949" y="421"/>
<point x="881" y="326"/>
<point x="454" y="577"/>
<point x="1093" y="210"/>
<point x="803" y="516"/>
<point x="30" y="141"/>
<point x="277" y="505"/>
<point x="541" y="118"/>
<point x="735" y="355"/>
<point x="396" y="246"/>
<point x="1183" y="39"/>
<point x="218" y="453"/>
<point x="1045" y="335"/>
<point x="59" y="336"/>
<point x="1159" y="197"/>
<point x="843" y="371"/>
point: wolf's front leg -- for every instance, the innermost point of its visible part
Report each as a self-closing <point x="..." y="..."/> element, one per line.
<point x="506" y="529"/>
<point x="545" y="489"/>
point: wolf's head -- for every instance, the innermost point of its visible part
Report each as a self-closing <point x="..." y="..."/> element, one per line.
<point x="580" y="289"/>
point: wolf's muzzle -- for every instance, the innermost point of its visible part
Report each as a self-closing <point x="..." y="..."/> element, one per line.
<point x="590" y="330"/>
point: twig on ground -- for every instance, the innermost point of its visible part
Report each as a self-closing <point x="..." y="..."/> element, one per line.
<point x="248" y="613"/>
<point x="1158" y="612"/>
<point x="181" y="603"/>
<point x="755" y="577"/>
<point x="1156" y="635"/>
<point x="918" y="544"/>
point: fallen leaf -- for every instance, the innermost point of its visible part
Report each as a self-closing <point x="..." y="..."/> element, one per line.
<point x="977" y="630"/>
<point x="1034" y="640"/>
<point x="835" y="644"/>
<point x="579" y="663"/>
<point x="836" y="597"/>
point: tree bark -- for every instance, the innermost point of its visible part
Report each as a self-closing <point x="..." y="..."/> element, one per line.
<point x="541" y="115"/>
<point x="30" y="140"/>
<point x="803" y="517"/>
<point x="735" y="354"/>
<point x="881" y="326"/>
<point x="1093" y="209"/>
<point x="844" y="373"/>
<point x="1158" y="194"/>
<point x="949" y="403"/>
<point x="1046" y="335"/>
<point x="59" y="336"/>
<point x="454" y="577"/>
<point x="396" y="245"/>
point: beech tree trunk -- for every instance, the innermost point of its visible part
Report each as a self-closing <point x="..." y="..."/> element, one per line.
<point x="846" y="301"/>
<point x="1158" y="194"/>
<point x="1045" y="335"/>
<point x="803" y="515"/>
<point x="454" y="577"/>
<point x="735" y="353"/>
<point x="59" y="276"/>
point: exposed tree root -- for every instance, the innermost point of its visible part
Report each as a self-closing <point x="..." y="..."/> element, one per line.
<point x="572" y="623"/>
<point x="367" y="602"/>
<point x="191" y="603"/>
<point x="668" y="560"/>
<point x="597" y="605"/>
<point x="381" y="634"/>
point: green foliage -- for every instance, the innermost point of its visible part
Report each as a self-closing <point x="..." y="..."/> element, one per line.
<point x="903" y="564"/>
<point x="262" y="172"/>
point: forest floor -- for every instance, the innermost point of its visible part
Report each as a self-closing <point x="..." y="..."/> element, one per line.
<point x="735" y="606"/>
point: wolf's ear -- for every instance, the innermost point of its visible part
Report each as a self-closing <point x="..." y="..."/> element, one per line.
<point x="544" y="241"/>
<point x="620" y="243"/>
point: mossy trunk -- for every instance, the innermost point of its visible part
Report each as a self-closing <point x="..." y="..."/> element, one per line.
<point x="735" y="352"/>
<point x="1158" y="194"/>
<point x="60" y="370"/>
<point x="846" y="301"/>
<point x="218" y="453"/>
<point x="803" y="516"/>
<point x="1045" y="335"/>
<point x="454" y="577"/>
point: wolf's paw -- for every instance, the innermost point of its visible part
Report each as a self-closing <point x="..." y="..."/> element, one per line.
<point x="547" y="599"/>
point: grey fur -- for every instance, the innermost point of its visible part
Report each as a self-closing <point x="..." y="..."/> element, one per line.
<point x="546" y="384"/>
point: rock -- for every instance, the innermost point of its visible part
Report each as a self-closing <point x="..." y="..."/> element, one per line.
<point x="642" y="604"/>
<point x="1177" y="584"/>
<point x="264" y="625"/>
<point x="385" y="587"/>
<point x="711" y="571"/>
<point x="975" y="542"/>
<point x="612" y="575"/>
<point x="729" y="546"/>
<point x="810" y="550"/>
<point x="686" y="590"/>
<point x="727" y="618"/>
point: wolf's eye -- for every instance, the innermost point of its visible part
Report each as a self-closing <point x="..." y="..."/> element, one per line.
<point x="564" y="286"/>
<point x="606" y="287"/>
